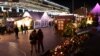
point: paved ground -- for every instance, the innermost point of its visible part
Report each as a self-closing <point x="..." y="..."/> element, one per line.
<point x="10" y="46"/>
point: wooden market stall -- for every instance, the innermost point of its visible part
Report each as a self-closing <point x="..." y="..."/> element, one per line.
<point x="61" y="21"/>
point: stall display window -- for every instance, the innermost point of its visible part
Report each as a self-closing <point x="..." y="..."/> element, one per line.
<point x="60" y="25"/>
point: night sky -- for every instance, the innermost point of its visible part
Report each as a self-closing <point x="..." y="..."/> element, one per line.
<point x="77" y="3"/>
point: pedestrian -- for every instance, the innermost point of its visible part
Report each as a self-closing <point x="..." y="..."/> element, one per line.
<point x="33" y="40"/>
<point x="40" y="40"/>
<point x="22" y="28"/>
<point x="16" y="32"/>
<point x="25" y="29"/>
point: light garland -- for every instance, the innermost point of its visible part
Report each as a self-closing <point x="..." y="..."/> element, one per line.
<point x="65" y="47"/>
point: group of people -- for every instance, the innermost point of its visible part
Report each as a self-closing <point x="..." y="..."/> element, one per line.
<point x="24" y="29"/>
<point x="36" y="39"/>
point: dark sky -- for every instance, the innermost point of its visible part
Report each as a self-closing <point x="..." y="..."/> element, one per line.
<point x="77" y="3"/>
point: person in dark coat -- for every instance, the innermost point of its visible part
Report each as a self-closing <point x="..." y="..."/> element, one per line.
<point x="25" y="29"/>
<point x="22" y="28"/>
<point x="40" y="40"/>
<point x="33" y="40"/>
<point x="16" y="32"/>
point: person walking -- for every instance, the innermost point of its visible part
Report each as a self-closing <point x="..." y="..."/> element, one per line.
<point x="16" y="32"/>
<point x="25" y="29"/>
<point x="33" y="40"/>
<point x="40" y="40"/>
<point x="22" y="28"/>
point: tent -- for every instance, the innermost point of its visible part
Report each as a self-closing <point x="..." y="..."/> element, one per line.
<point x="36" y="15"/>
<point x="46" y="17"/>
<point x="33" y="15"/>
<point x="96" y="9"/>
<point x="45" y="20"/>
<point x="96" y="12"/>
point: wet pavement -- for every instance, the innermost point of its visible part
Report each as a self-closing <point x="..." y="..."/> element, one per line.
<point x="10" y="46"/>
<point x="92" y="46"/>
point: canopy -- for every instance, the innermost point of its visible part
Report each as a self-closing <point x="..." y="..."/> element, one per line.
<point x="33" y="15"/>
<point x="36" y="15"/>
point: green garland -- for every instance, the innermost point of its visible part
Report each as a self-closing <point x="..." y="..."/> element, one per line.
<point x="68" y="31"/>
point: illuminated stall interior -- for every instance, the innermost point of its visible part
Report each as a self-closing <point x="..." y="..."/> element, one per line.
<point x="89" y="20"/>
<point x="26" y="20"/>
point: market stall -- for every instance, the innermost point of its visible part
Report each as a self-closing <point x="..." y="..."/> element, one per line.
<point x="62" y="21"/>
